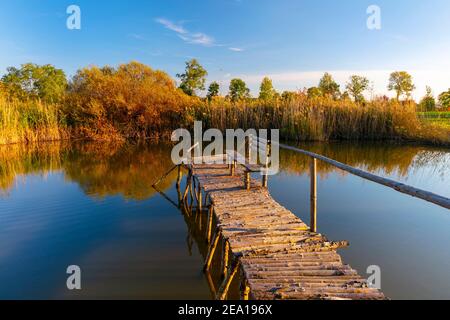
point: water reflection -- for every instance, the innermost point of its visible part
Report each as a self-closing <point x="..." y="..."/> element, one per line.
<point x="100" y="170"/>
<point x="130" y="170"/>
<point x="94" y="204"/>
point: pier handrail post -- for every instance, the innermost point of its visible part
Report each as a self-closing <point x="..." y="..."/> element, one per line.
<point x="249" y="148"/>
<point x="265" y="177"/>
<point x="313" y="194"/>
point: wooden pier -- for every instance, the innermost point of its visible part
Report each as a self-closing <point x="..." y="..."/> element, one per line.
<point x="276" y="255"/>
<point x="272" y="252"/>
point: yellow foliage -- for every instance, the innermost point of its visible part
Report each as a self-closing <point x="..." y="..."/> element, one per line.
<point x="132" y="101"/>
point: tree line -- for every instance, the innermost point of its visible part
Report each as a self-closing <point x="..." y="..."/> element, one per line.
<point x="401" y="82"/>
<point x="133" y="100"/>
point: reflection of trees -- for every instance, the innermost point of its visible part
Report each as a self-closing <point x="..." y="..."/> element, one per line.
<point x="373" y="157"/>
<point x="100" y="169"/>
<point x="32" y="159"/>
<point x="130" y="169"/>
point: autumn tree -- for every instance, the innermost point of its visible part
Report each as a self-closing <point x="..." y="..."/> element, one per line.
<point x="401" y="82"/>
<point x="329" y="87"/>
<point x="33" y="81"/>
<point x="213" y="90"/>
<point x="193" y="79"/>
<point x="444" y="99"/>
<point x="266" y="91"/>
<point x="238" y="90"/>
<point x="132" y="100"/>
<point x="356" y="87"/>
<point x="428" y="102"/>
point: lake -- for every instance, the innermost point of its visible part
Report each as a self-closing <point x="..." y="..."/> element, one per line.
<point x="93" y="205"/>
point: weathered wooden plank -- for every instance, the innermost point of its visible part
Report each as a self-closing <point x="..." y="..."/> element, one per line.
<point x="279" y="256"/>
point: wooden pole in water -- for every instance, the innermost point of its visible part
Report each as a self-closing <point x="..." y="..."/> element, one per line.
<point x="212" y="249"/>
<point x="225" y="255"/>
<point x="266" y="167"/>
<point x="223" y="291"/>
<point x="210" y="222"/>
<point x="245" y="291"/>
<point x="180" y="176"/>
<point x="199" y="197"/>
<point x="313" y="198"/>
<point x="188" y="182"/>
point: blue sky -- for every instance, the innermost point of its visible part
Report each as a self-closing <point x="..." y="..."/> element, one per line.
<point x="292" y="41"/>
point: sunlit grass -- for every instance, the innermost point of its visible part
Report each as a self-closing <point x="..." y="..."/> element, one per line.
<point x="29" y="121"/>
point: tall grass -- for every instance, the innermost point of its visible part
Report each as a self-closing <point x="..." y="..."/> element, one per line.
<point x="299" y="118"/>
<point x="323" y="119"/>
<point x="29" y="121"/>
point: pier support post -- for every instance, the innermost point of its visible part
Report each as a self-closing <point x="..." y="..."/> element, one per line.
<point x="233" y="168"/>
<point x="180" y="175"/>
<point x="212" y="249"/>
<point x="210" y="223"/>
<point x="265" y="178"/>
<point x="313" y="198"/>
<point x="225" y="255"/>
<point x="245" y="290"/>
<point x="248" y="180"/>
<point x="232" y="271"/>
<point x="199" y="197"/>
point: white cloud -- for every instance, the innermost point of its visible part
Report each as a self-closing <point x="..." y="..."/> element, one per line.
<point x="171" y="26"/>
<point x="236" y="49"/>
<point x="187" y="36"/>
<point x="198" y="38"/>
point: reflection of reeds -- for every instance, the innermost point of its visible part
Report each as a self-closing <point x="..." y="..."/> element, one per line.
<point x="100" y="169"/>
<point x="129" y="171"/>
<point x="387" y="158"/>
<point x="28" y="159"/>
<point x="105" y="169"/>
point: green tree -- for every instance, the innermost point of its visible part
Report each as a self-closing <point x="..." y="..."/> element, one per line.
<point x="314" y="92"/>
<point x="329" y="87"/>
<point x="444" y="99"/>
<point x="401" y="82"/>
<point x="33" y="81"/>
<point x="194" y="78"/>
<point x="213" y="90"/>
<point x="238" y="90"/>
<point x="428" y="102"/>
<point x="288" y="95"/>
<point x="356" y="87"/>
<point x="266" y="91"/>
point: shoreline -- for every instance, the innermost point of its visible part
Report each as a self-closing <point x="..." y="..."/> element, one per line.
<point x="399" y="141"/>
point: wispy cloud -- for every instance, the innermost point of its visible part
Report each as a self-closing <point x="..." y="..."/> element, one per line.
<point x="198" y="38"/>
<point x="236" y="49"/>
<point x="172" y="26"/>
<point x="187" y="36"/>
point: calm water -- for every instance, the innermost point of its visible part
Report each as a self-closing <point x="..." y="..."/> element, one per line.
<point x="93" y="205"/>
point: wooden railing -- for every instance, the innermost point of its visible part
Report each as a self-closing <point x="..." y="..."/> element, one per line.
<point x="397" y="186"/>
